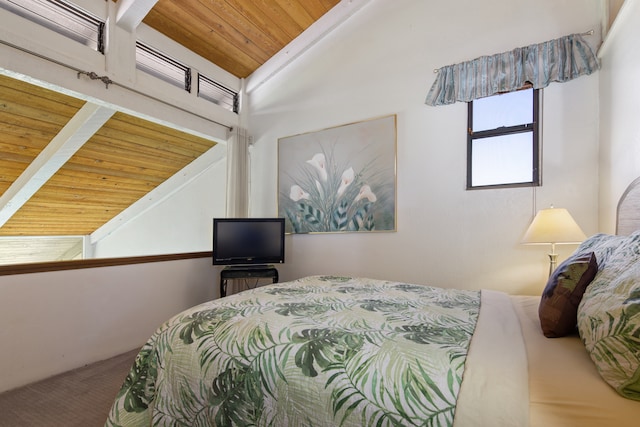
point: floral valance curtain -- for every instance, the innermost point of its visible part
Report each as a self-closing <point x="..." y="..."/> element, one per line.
<point x="558" y="60"/>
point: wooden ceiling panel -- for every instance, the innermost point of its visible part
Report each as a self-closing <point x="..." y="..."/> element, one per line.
<point x="257" y="17"/>
<point x="126" y="159"/>
<point x="236" y="35"/>
<point x="203" y="40"/>
<point x="21" y="250"/>
<point x="30" y="117"/>
<point x="232" y="29"/>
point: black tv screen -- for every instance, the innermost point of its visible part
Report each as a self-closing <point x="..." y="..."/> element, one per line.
<point x="248" y="241"/>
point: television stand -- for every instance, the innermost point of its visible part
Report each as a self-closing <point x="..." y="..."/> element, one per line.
<point x="249" y="267"/>
<point x="246" y="272"/>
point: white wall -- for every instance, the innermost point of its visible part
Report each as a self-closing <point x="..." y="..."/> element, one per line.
<point x="180" y="223"/>
<point x="381" y="62"/>
<point x="619" y="108"/>
<point x="56" y="321"/>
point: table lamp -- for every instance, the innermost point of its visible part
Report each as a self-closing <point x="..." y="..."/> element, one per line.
<point x="555" y="227"/>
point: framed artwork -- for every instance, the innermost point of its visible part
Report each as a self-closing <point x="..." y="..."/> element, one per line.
<point x="341" y="179"/>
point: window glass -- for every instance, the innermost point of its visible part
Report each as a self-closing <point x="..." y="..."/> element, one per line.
<point x="502" y="159"/>
<point x="502" y="142"/>
<point x="216" y="93"/>
<point x="153" y="62"/>
<point x="509" y="109"/>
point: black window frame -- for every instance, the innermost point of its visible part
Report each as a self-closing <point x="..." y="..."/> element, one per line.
<point x="533" y="127"/>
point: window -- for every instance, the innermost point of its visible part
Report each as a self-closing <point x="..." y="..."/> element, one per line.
<point x="502" y="140"/>
<point x="216" y="93"/>
<point x="157" y="64"/>
<point x="61" y="17"/>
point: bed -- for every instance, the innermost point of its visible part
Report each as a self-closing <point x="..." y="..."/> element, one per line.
<point x="348" y="351"/>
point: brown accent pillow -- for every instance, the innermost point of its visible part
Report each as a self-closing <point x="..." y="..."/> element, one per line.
<point x="558" y="309"/>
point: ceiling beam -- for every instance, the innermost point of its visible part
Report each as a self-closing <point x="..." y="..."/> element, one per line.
<point x="132" y="12"/>
<point x="82" y="126"/>
<point x="38" y="70"/>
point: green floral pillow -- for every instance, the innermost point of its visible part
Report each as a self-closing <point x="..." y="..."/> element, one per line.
<point x="602" y="245"/>
<point x="609" y="313"/>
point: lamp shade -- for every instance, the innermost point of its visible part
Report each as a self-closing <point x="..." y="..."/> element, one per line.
<point x="555" y="226"/>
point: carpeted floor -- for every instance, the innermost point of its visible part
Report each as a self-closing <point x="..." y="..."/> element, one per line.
<point x="78" y="398"/>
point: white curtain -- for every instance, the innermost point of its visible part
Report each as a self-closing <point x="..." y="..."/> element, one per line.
<point x="238" y="173"/>
<point x="558" y="60"/>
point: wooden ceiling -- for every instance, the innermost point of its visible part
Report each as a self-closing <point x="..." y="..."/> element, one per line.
<point x="237" y="35"/>
<point x="124" y="160"/>
<point x="128" y="157"/>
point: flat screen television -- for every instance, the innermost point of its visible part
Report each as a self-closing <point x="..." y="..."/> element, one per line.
<point x="248" y="241"/>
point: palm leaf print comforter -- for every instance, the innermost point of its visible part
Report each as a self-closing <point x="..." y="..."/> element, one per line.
<point x="318" y="351"/>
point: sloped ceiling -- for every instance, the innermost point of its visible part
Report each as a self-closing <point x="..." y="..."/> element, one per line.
<point x="121" y="162"/>
<point x="123" y="157"/>
<point x="237" y="35"/>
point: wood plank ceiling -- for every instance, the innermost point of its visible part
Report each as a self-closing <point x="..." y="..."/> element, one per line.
<point x="124" y="160"/>
<point x="236" y="35"/>
<point x="128" y="157"/>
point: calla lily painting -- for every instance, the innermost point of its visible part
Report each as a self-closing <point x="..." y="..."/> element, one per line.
<point x="341" y="179"/>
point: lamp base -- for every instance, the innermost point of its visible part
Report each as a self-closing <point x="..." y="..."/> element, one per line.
<point x="553" y="262"/>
